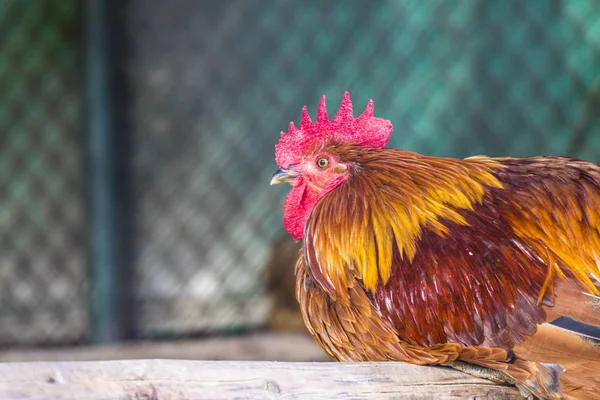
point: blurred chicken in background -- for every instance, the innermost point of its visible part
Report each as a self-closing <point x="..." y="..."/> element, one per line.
<point x="280" y="285"/>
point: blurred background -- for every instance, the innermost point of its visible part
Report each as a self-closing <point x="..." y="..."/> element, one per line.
<point x="136" y="148"/>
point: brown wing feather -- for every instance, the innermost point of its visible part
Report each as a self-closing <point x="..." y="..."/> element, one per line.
<point x="482" y="283"/>
<point x="577" y="356"/>
<point x="355" y="331"/>
<point x="573" y="302"/>
<point x="554" y="206"/>
<point x="554" y="202"/>
<point x="477" y="286"/>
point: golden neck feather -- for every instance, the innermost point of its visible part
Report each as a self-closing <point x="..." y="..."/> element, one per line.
<point x="391" y="196"/>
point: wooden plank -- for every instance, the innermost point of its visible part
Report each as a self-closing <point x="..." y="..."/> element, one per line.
<point x="251" y="347"/>
<point x="178" y="379"/>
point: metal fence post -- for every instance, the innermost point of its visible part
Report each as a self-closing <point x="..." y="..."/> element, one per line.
<point x="102" y="193"/>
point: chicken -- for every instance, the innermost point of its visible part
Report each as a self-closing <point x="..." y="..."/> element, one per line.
<point x="280" y="283"/>
<point x="444" y="261"/>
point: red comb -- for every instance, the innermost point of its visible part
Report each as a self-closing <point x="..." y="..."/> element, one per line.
<point x="365" y="130"/>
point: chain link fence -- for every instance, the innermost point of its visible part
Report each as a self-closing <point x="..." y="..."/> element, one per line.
<point x="43" y="296"/>
<point x="214" y="83"/>
<point x="211" y="85"/>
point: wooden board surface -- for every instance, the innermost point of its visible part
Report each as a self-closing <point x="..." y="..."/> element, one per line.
<point x="252" y="347"/>
<point x="185" y="379"/>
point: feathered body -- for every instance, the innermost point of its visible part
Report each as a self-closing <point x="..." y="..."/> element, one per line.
<point x="433" y="260"/>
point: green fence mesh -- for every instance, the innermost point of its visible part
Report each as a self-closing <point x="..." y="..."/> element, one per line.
<point x="42" y="254"/>
<point x="210" y="85"/>
<point x="214" y="83"/>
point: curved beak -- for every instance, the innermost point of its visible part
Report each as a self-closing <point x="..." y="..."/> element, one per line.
<point x="284" y="175"/>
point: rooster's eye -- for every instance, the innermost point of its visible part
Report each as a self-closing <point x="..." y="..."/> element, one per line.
<point x="322" y="162"/>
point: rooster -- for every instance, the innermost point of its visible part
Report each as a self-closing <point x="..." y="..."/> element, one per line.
<point x="455" y="262"/>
